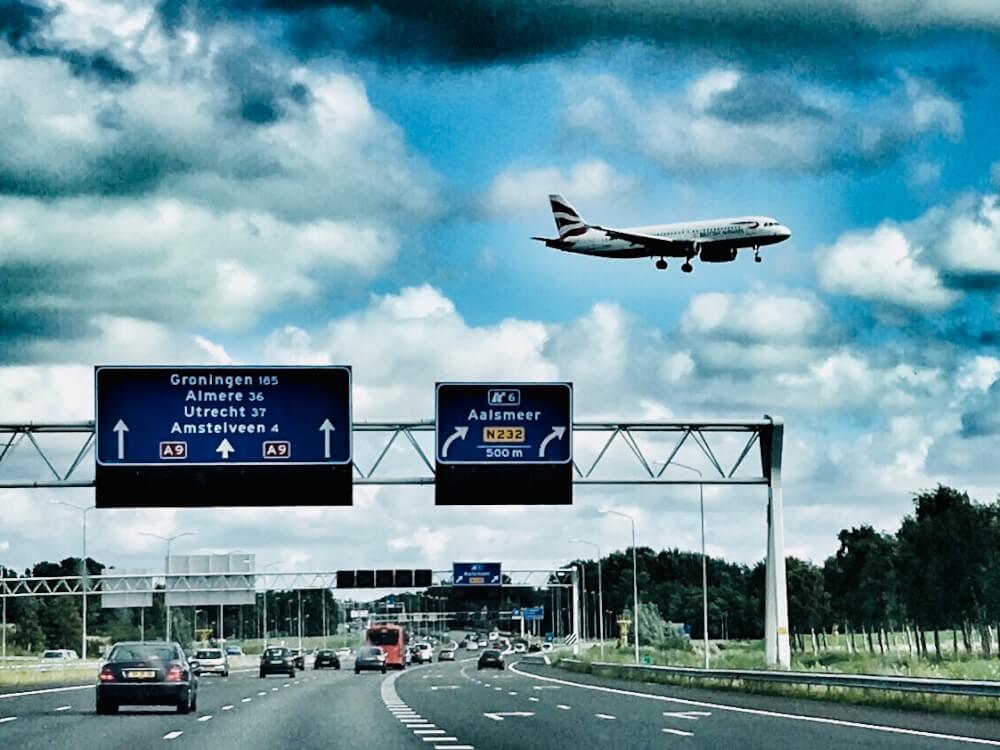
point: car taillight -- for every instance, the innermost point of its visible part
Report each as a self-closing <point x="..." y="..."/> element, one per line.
<point x="175" y="673"/>
<point x="106" y="675"/>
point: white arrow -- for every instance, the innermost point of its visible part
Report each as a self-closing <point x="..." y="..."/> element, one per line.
<point x="557" y="432"/>
<point x="458" y="434"/>
<point x="500" y="716"/>
<point x="225" y="448"/>
<point x="121" y="428"/>
<point x="326" y="428"/>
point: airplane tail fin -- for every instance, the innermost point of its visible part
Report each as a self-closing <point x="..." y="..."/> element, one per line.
<point x="569" y="223"/>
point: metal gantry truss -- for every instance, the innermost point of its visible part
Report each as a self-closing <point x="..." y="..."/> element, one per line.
<point x="382" y="438"/>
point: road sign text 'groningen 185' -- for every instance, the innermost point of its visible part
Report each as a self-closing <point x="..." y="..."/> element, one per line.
<point x="219" y="432"/>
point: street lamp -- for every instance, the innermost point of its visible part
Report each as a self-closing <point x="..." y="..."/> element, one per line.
<point x="269" y="565"/>
<point x="635" y="579"/>
<point x="166" y="578"/>
<point x="704" y="563"/>
<point x="83" y="569"/>
<point x="600" y="588"/>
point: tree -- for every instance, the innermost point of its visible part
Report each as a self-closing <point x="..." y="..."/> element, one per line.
<point x="861" y="578"/>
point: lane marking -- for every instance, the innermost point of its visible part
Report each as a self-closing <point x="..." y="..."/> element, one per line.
<point x="5" y="719"/>
<point x="261" y="693"/>
<point x="245" y="700"/>
<point x="227" y="708"/>
<point x="689" y="715"/>
<point x="533" y="699"/>
<point x="454" y="747"/>
<point x="563" y="706"/>
<point x="606" y="717"/>
<point x="274" y="690"/>
<point x="501" y="715"/>
<point x="206" y="717"/>
<point x="435" y="730"/>
<point x="172" y="735"/>
<point x="511" y="692"/>
<point x="440" y="739"/>
<point x="764" y="712"/>
<point x="43" y="691"/>
<point x="62" y="708"/>
<point x="679" y="732"/>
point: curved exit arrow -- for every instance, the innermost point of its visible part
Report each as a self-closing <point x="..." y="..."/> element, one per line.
<point x="557" y="433"/>
<point x="458" y="434"/>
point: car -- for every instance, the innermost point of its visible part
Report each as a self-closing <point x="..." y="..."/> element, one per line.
<point x="534" y="648"/>
<point x="276" y="660"/>
<point x="299" y="657"/>
<point x="234" y="650"/>
<point x="520" y="648"/>
<point x="212" y="660"/>
<point x="344" y="653"/>
<point x="60" y="653"/>
<point x="472" y="646"/>
<point x="546" y="647"/>
<point x="483" y="643"/>
<point x="423" y="653"/>
<point x="491" y="658"/>
<point x="146" y="673"/>
<point x="493" y="635"/>
<point x="369" y="658"/>
<point x="446" y="654"/>
<point x="326" y="657"/>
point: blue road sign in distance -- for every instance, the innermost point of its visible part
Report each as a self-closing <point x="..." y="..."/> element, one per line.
<point x="223" y="416"/>
<point x="533" y="613"/>
<point x="504" y="423"/>
<point x="476" y="574"/>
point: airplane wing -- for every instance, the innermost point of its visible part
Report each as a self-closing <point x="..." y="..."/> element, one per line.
<point x="663" y="245"/>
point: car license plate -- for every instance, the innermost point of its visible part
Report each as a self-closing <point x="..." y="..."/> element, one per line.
<point x="141" y="674"/>
<point x="276" y="661"/>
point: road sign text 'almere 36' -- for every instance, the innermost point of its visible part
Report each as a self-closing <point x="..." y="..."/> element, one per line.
<point x="202" y="436"/>
<point x="504" y="443"/>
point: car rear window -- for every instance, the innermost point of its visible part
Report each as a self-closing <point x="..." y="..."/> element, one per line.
<point x="491" y="653"/>
<point x="371" y="651"/>
<point x="208" y="654"/>
<point x="274" y="653"/>
<point x="143" y="652"/>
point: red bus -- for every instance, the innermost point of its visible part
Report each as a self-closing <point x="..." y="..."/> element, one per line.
<point x="392" y="640"/>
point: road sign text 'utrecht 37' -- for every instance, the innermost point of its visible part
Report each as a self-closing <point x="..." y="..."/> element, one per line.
<point x="504" y="444"/>
<point x="223" y="436"/>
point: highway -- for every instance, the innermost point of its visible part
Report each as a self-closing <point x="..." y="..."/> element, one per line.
<point x="453" y="706"/>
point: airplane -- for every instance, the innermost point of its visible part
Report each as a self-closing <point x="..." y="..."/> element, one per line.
<point x="713" y="241"/>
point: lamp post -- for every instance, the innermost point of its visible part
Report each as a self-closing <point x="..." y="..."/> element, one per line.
<point x="600" y="588"/>
<point x="166" y="580"/>
<point x="83" y="569"/>
<point x="704" y="563"/>
<point x="635" y="579"/>
<point x="269" y="565"/>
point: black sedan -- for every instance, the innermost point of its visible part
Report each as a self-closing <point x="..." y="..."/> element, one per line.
<point x="147" y="673"/>
<point x="369" y="658"/>
<point x="299" y="657"/>
<point x="326" y="657"/>
<point x="491" y="658"/>
<point x="277" y="660"/>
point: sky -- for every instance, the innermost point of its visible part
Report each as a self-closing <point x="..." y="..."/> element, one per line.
<point x="357" y="181"/>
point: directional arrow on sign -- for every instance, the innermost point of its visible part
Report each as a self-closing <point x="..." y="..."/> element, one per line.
<point x="458" y="434"/>
<point x="501" y="715"/>
<point x="225" y="448"/>
<point x="556" y="434"/>
<point x="326" y="428"/>
<point x="121" y="428"/>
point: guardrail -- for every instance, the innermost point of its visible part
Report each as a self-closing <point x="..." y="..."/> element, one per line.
<point x="967" y="688"/>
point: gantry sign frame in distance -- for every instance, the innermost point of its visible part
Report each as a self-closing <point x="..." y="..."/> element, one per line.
<point x="503" y="443"/>
<point x="476" y="575"/>
<point x="222" y="436"/>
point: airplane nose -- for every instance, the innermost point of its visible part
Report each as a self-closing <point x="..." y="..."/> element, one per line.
<point x="785" y="232"/>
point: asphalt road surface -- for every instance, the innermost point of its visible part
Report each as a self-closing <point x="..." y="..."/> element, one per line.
<point x="453" y="706"/>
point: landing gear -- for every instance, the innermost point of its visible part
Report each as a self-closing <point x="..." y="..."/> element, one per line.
<point x="687" y="268"/>
<point x="756" y="255"/>
<point x="661" y="264"/>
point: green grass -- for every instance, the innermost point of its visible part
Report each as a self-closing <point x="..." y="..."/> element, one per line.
<point x="20" y="677"/>
<point x="750" y="655"/>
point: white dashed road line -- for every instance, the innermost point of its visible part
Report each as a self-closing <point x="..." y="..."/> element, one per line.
<point x="678" y="732"/>
<point x="206" y="717"/>
<point x="172" y="735"/>
<point x="533" y="699"/>
<point x="227" y="708"/>
<point x="563" y="706"/>
<point x="606" y="717"/>
<point x="5" y="719"/>
<point x="245" y="700"/>
<point x="261" y="693"/>
<point x="63" y="708"/>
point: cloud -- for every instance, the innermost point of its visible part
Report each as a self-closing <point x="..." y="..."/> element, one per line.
<point x="519" y="192"/>
<point x="724" y="119"/>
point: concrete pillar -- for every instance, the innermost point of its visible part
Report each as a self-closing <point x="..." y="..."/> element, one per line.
<point x="777" y="649"/>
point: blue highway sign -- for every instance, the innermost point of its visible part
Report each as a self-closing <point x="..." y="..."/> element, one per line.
<point x="476" y="574"/>
<point x="504" y="423"/>
<point x="223" y="416"/>
<point x="533" y="613"/>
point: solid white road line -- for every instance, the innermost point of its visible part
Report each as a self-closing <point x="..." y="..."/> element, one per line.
<point x="206" y="717"/>
<point x="607" y="717"/>
<point x="172" y="735"/>
<point x="679" y="732"/>
<point x="43" y="691"/>
<point x="62" y="708"/>
<point x="5" y="719"/>
<point x="770" y="714"/>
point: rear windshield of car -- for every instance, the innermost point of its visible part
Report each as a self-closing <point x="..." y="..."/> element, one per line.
<point x="143" y="652"/>
<point x="52" y="655"/>
<point x="208" y="654"/>
<point x="371" y="651"/>
<point x="491" y="653"/>
<point x="274" y="653"/>
<point x="324" y="653"/>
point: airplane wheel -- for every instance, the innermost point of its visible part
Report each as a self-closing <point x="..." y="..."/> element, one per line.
<point x="661" y="264"/>
<point x="757" y="259"/>
<point x="687" y="268"/>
